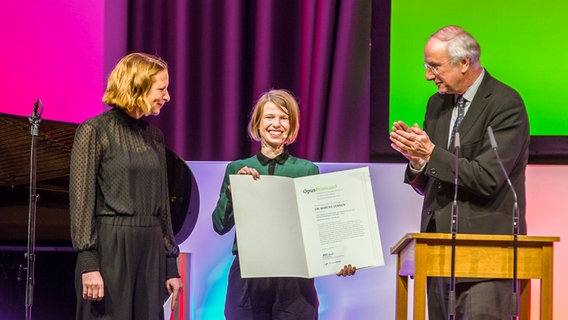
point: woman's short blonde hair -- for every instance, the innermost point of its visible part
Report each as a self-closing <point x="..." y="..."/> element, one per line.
<point x="283" y="99"/>
<point x="131" y="80"/>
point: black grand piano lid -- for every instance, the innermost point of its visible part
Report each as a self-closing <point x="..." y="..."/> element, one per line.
<point x="54" y="143"/>
<point x="184" y="196"/>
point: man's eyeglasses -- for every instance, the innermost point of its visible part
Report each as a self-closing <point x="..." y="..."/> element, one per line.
<point x="432" y="68"/>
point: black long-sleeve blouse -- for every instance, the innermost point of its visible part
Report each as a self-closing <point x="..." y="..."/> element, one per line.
<point x="118" y="167"/>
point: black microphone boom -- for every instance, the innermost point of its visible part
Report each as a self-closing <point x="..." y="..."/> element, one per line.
<point x="516" y="204"/>
<point x="454" y="230"/>
<point x="515" y="310"/>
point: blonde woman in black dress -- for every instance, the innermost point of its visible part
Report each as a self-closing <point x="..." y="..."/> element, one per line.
<point x="120" y="215"/>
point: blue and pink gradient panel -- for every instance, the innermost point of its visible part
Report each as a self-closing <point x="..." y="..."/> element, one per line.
<point x="371" y="292"/>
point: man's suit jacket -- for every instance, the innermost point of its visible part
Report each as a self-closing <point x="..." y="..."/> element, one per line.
<point x="485" y="201"/>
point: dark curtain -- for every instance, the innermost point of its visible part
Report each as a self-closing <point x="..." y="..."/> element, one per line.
<point x="223" y="54"/>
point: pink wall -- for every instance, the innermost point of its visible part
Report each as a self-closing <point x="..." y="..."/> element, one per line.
<point x="53" y="51"/>
<point x="547" y="193"/>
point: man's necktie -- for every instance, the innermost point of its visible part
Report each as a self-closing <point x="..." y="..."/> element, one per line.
<point x="461" y="110"/>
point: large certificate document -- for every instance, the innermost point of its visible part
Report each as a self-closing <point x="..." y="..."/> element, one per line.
<point x="305" y="227"/>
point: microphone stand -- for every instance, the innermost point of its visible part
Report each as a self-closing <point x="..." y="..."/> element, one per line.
<point x="34" y="119"/>
<point x="515" y="311"/>
<point x="454" y="230"/>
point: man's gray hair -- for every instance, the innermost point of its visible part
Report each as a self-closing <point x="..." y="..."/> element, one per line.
<point x="460" y="44"/>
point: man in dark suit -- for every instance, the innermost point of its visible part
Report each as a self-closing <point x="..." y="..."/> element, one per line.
<point x="484" y="199"/>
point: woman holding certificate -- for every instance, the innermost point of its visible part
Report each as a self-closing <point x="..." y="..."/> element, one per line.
<point x="275" y="123"/>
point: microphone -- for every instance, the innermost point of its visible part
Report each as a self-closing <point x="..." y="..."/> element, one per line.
<point x="454" y="230"/>
<point x="36" y="105"/>
<point x="493" y="142"/>
<point x="516" y="204"/>
<point x="35" y="118"/>
<point x="457" y="140"/>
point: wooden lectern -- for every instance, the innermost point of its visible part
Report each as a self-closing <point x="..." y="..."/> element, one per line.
<point x="422" y="255"/>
